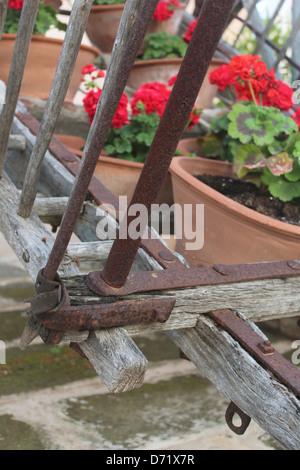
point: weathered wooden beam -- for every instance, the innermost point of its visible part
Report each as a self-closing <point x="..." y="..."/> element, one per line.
<point x="274" y="299"/>
<point x="32" y="244"/>
<point x="23" y="39"/>
<point x="71" y="45"/>
<point x="16" y="142"/>
<point x="242" y="380"/>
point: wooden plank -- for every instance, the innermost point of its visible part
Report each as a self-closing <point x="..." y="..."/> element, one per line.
<point x="22" y="43"/>
<point x="274" y="299"/>
<point x="16" y="142"/>
<point x="29" y="239"/>
<point x="3" y="9"/>
<point x="119" y="370"/>
<point x="242" y="380"/>
<point x="71" y="45"/>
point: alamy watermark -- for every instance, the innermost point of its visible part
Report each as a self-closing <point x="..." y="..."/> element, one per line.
<point x="133" y="222"/>
<point x="2" y="353"/>
<point x="296" y="355"/>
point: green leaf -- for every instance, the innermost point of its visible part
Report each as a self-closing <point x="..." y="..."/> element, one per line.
<point x="248" y="157"/>
<point x="294" y="175"/>
<point x="252" y="124"/>
<point x="280" y="187"/>
<point x="161" y="45"/>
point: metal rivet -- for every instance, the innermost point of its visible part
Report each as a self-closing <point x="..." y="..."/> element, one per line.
<point x="294" y="265"/>
<point x="266" y="347"/>
<point x="221" y="269"/>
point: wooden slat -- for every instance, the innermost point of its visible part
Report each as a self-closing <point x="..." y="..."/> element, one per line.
<point x="19" y="58"/>
<point x="274" y="299"/>
<point x="3" y="9"/>
<point x="71" y="45"/>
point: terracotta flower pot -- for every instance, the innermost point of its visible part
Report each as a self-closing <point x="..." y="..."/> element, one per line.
<point x="41" y="65"/>
<point x="161" y="70"/>
<point x="119" y="176"/>
<point x="189" y="145"/>
<point x="233" y="233"/>
<point x="104" y="20"/>
<point x="54" y="3"/>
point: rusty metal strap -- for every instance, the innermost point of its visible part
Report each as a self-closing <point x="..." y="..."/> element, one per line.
<point x="262" y="350"/>
<point x="99" y="193"/>
<point x="95" y="317"/>
<point x="146" y="281"/>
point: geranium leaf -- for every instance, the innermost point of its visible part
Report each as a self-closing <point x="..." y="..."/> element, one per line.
<point x="280" y="164"/>
<point x="248" y="157"/>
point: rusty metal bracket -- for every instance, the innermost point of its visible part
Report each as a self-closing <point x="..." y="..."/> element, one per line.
<point x="147" y="281"/>
<point x="245" y="419"/>
<point x="94" y="317"/>
<point x="260" y="349"/>
<point x="50" y="296"/>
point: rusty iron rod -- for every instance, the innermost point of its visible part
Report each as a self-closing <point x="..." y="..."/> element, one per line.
<point x="210" y="26"/>
<point x="135" y="20"/>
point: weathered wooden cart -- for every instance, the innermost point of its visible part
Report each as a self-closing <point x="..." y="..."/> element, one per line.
<point x="208" y="312"/>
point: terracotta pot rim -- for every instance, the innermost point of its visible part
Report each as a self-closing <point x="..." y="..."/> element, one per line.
<point x="170" y="60"/>
<point x="120" y="6"/>
<point x="40" y="38"/>
<point x="231" y="206"/>
<point x="111" y="160"/>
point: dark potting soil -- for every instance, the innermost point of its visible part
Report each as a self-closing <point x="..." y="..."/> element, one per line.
<point x="253" y="197"/>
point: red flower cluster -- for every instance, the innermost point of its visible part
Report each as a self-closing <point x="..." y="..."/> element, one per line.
<point x="251" y="81"/>
<point x="164" y="10"/>
<point x="15" y="4"/>
<point x="90" y="102"/>
<point x="153" y="95"/>
<point x="221" y="77"/>
<point x="187" y="36"/>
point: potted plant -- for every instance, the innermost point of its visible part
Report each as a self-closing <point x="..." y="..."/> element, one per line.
<point x="251" y="198"/>
<point x="43" y="52"/>
<point x="105" y="16"/>
<point x="130" y="135"/>
<point x="161" y="60"/>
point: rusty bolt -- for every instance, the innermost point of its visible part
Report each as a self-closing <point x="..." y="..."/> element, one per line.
<point x="167" y="256"/>
<point x="266" y="347"/>
<point x="160" y="315"/>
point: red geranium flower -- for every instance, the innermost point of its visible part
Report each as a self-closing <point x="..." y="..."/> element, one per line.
<point x="153" y="95"/>
<point x="245" y="67"/>
<point x="90" y="102"/>
<point x="187" y="36"/>
<point x="89" y="68"/>
<point x="15" y="4"/>
<point x="164" y="10"/>
<point x="221" y="77"/>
